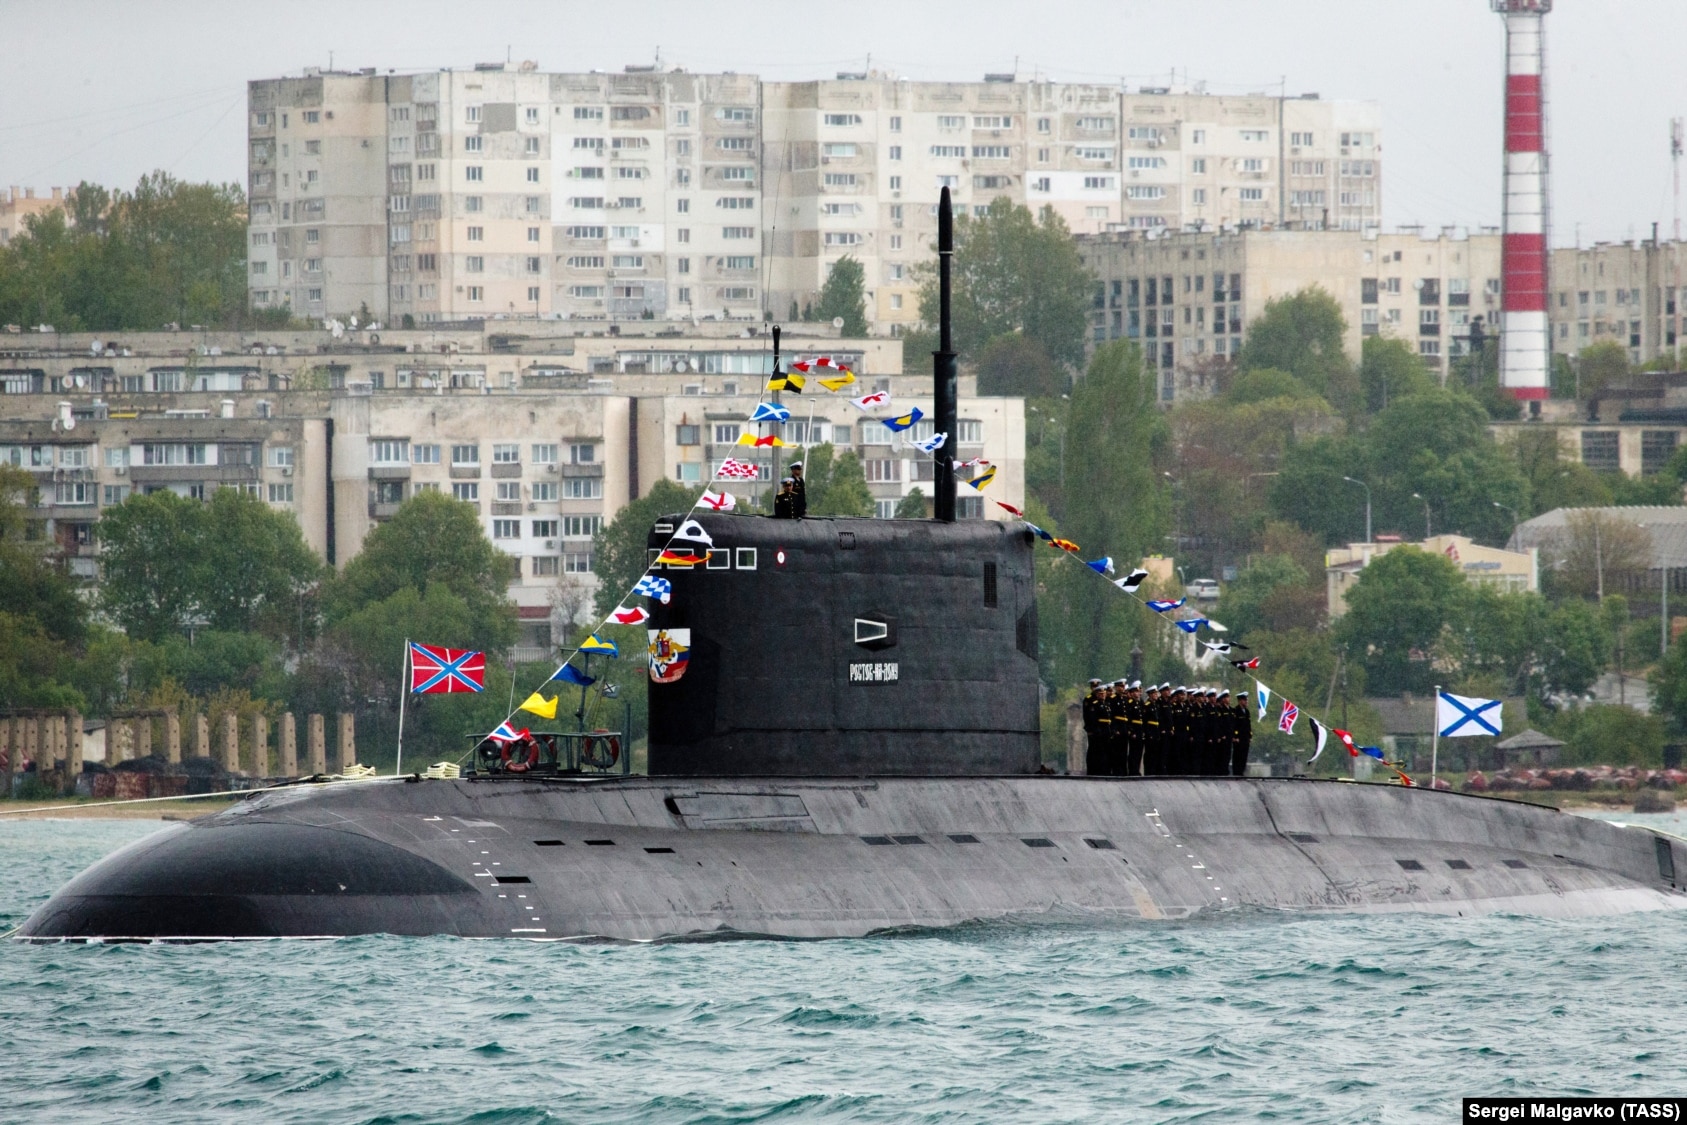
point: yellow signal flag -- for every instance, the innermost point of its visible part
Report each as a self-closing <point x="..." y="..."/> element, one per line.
<point x="540" y="706"/>
<point x="838" y="382"/>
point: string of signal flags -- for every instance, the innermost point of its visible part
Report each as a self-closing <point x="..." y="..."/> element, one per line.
<point x="1289" y="712"/>
<point x="690" y="544"/>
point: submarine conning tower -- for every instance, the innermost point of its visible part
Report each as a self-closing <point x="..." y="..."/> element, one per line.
<point x="834" y="647"/>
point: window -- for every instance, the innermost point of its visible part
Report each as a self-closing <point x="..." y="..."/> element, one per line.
<point x="1042" y="183"/>
<point x="955" y="152"/>
<point x="544" y="454"/>
<point x="506" y="529"/>
<point x="281" y="493"/>
<point x="75" y="493"/>
<point x="544" y="490"/>
<point x="116" y="494"/>
<point x="581" y="527"/>
<point x="687" y="435"/>
<point x="896" y="152"/>
<point x="841" y="119"/>
<point x="577" y="562"/>
<point x="990" y="152"/>
<point x="467" y="491"/>
<point x="971" y="432"/>
<point x="627" y="261"/>
<point x="582" y="453"/>
<point x="1252" y="194"/>
<point x="465" y="455"/>
<point x="732" y="202"/>
<point x="843" y="238"/>
<point x="159" y="453"/>
<point x="1104" y="183"/>
<point x="471" y="114"/>
<point x="839" y="179"/>
<point x="1253" y="164"/>
<point x="946" y="182"/>
<point x="1303" y="139"/>
<point x="883" y="470"/>
<point x="738" y="232"/>
<point x="745" y="113"/>
<point x="475" y="263"/>
<point x="1255" y="136"/>
<point x="1144" y="191"/>
<point x="477" y="234"/>
<point x="844" y="149"/>
<point x="741" y="262"/>
<point x="506" y="453"/>
<point x="386" y="452"/>
<point x="532" y="178"/>
<point x="424" y="454"/>
<point x="474" y="204"/>
<point x="544" y="529"/>
<point x="1146" y="162"/>
<point x="1198" y="196"/>
<point x="726" y="433"/>
<point x="1092" y="152"/>
<point x="582" y="488"/>
<point x="471" y="144"/>
<point x="474" y="173"/>
<point x="588" y="113"/>
<point x="586" y="292"/>
<point x="546" y="566"/>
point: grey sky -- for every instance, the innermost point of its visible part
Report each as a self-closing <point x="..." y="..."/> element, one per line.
<point x="106" y="91"/>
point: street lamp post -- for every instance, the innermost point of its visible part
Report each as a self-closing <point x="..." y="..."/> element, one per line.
<point x="1428" y="529"/>
<point x="1367" y="489"/>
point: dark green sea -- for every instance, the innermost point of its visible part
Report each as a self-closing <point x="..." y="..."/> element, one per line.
<point x="1239" y="1017"/>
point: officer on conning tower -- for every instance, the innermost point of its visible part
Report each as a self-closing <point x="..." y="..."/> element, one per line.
<point x="785" y="504"/>
<point x="1242" y="739"/>
<point x="799" y="489"/>
<point x="1092" y="721"/>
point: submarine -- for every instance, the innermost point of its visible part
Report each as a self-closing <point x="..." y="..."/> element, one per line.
<point x="843" y="741"/>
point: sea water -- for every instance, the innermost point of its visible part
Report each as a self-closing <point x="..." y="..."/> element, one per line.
<point x="1236" y="1017"/>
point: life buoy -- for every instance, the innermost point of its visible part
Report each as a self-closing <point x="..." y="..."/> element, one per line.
<point x="520" y="767"/>
<point x="600" y="749"/>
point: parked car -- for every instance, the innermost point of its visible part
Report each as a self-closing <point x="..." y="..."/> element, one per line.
<point x="1202" y="590"/>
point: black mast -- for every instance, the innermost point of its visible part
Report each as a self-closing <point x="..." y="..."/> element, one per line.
<point x="775" y="375"/>
<point x="943" y="368"/>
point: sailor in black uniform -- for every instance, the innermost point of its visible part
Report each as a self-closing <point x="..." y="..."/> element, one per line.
<point x="1101" y="749"/>
<point x="1242" y="739"/>
<point x="785" y="504"/>
<point x="1134" y="730"/>
<point x="1223" y="733"/>
<point x="1092" y="723"/>
<point x="799" y="488"/>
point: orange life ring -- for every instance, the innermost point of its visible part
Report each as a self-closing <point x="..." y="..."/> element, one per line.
<point x="521" y="767"/>
<point x="589" y="752"/>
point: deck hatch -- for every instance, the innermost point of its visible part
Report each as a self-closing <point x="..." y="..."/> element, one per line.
<point x="1458" y="865"/>
<point x="1409" y="865"/>
<point x="1666" y="861"/>
<point x="877" y="841"/>
<point x="600" y="843"/>
<point x="963" y="838"/>
<point x="1303" y="837"/>
<point x="1037" y="842"/>
<point x="659" y="851"/>
<point x="1515" y="864"/>
<point x="908" y="839"/>
<point x="1100" y="844"/>
<point x="502" y="879"/>
<point x="547" y="843"/>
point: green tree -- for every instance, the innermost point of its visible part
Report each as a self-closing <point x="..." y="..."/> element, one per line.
<point x="1609" y="734"/>
<point x="1436" y="444"/>
<point x="1575" y="649"/>
<point x="620" y="548"/>
<point x="1303" y="335"/>
<point x="844" y="296"/>
<point x="1310" y="492"/>
<point x="1271" y="594"/>
<point x="1265" y="383"/>
<point x="166" y="252"/>
<point x="43" y="623"/>
<point x="1553" y="479"/>
<point x="835" y="485"/>
<point x="1396" y="613"/>
<point x="1113" y="432"/>
<point x="1389" y="370"/>
<point x="1013" y="272"/>
<point x="912" y="506"/>
<point x="431" y="540"/>
<point x="233" y="564"/>
<point x="1599" y="365"/>
<point x="1016" y="366"/>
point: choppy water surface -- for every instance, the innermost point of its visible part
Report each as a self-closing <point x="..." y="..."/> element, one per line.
<point x="1292" y="1019"/>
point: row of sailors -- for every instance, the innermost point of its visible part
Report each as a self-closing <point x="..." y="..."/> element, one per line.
<point x="1165" y="731"/>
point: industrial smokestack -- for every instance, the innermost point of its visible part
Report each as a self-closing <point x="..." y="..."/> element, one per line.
<point x="943" y="369"/>
<point x="1525" y="342"/>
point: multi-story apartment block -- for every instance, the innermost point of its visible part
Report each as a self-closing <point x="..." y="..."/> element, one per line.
<point x="19" y="204"/>
<point x="508" y="192"/>
<point x="545" y="439"/>
<point x="1629" y="292"/>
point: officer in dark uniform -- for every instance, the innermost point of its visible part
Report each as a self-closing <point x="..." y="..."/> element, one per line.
<point x="1121" y="728"/>
<point x="1101" y="750"/>
<point x="785" y="504"/>
<point x="1159" y="733"/>
<point x="1242" y="738"/>
<point x="1092" y="722"/>
<point x="1134" y="730"/>
<point x="1176" y="731"/>
<point x="1223" y="731"/>
<point x="799" y="488"/>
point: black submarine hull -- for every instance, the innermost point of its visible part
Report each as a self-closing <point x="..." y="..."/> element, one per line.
<point x="645" y="859"/>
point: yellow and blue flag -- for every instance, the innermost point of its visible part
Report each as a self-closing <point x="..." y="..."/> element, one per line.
<point x="905" y="421"/>
<point x="597" y="644"/>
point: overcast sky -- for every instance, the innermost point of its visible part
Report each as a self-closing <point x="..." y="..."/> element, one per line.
<point x="106" y="91"/>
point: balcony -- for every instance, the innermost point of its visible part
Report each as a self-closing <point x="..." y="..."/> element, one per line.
<point x="506" y="470"/>
<point x="389" y="472"/>
<point x="506" y="507"/>
<point x="184" y="474"/>
<point x="465" y="472"/>
<point x="383" y="511"/>
<point x="591" y="470"/>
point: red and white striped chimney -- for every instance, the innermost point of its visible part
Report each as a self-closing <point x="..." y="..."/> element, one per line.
<point x="1525" y="340"/>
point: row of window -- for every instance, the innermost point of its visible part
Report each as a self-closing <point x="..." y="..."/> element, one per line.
<point x="397" y="451"/>
<point x="571" y="527"/>
<point x="570" y="488"/>
<point x="152" y="453"/>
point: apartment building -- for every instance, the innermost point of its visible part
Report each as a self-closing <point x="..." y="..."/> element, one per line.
<point x="545" y="438"/>
<point x="1629" y="292"/>
<point x="18" y="204"/>
<point x="1189" y="296"/>
<point x="504" y="191"/>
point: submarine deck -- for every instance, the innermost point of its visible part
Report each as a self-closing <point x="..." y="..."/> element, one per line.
<point x="645" y="858"/>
